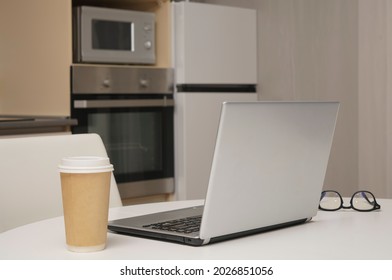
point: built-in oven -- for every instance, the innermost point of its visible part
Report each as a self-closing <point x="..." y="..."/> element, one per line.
<point x="132" y="110"/>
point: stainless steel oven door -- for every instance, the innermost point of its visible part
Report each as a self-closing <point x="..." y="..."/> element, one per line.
<point x="138" y="136"/>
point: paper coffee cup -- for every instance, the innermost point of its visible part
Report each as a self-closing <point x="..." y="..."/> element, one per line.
<point x="85" y="185"/>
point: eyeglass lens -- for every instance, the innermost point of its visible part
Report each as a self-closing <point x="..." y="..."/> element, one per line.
<point x="330" y="200"/>
<point x="361" y="201"/>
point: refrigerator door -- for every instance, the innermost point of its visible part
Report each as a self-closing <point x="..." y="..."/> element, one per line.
<point x="196" y="125"/>
<point x="214" y="44"/>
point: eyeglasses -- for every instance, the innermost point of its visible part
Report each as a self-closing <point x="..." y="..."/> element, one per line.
<point x="363" y="201"/>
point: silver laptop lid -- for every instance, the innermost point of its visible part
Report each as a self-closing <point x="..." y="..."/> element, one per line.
<point x="269" y="165"/>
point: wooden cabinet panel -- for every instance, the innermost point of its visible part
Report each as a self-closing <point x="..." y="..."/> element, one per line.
<point x="35" y="56"/>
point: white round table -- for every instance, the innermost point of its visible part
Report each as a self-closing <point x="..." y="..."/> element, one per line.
<point x="344" y="234"/>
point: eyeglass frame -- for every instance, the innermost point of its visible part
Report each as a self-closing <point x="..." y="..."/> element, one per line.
<point x="376" y="206"/>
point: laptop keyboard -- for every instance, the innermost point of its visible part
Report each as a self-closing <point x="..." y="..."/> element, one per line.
<point x="185" y="225"/>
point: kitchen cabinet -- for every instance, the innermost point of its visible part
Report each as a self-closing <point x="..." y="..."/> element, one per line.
<point x="35" y="55"/>
<point x="36" y="51"/>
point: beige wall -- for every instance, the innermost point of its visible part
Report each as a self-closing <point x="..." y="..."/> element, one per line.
<point x="308" y="50"/>
<point x="375" y="96"/>
<point x="336" y="50"/>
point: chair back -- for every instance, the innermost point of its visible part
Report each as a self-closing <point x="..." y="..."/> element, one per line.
<point x="30" y="187"/>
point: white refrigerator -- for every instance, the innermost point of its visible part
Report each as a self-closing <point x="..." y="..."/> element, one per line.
<point x="215" y="59"/>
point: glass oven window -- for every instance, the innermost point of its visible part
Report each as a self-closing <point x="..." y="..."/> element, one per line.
<point x="133" y="138"/>
<point x="138" y="142"/>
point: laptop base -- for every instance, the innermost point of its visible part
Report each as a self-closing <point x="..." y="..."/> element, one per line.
<point x="195" y="241"/>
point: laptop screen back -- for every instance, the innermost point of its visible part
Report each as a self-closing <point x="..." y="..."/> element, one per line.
<point x="269" y="165"/>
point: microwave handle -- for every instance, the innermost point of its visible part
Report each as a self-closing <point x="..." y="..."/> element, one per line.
<point x="87" y="104"/>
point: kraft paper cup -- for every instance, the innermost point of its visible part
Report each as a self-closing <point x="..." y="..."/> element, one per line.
<point x="85" y="186"/>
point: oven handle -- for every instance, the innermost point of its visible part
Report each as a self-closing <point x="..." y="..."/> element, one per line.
<point x="87" y="104"/>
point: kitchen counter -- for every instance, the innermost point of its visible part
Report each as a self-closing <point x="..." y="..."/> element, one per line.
<point x="13" y="125"/>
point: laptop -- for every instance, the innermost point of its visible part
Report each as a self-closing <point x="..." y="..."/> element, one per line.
<point x="268" y="170"/>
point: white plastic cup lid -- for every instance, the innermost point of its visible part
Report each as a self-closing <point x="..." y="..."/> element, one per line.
<point x="85" y="164"/>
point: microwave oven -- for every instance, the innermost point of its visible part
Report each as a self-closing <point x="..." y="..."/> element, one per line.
<point x="105" y="35"/>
